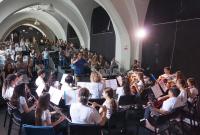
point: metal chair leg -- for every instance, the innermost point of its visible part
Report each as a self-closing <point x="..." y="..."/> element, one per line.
<point x="4" y="124"/>
<point x="10" y="125"/>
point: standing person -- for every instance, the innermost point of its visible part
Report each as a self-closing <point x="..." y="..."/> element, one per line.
<point x="45" y="54"/>
<point x="79" y="65"/>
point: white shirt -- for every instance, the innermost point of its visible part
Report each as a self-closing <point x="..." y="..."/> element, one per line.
<point x="181" y="99"/>
<point x="45" y="54"/>
<point x="120" y="92"/>
<point x="83" y="114"/>
<point x="39" y="81"/>
<point x="169" y="104"/>
<point x="8" y="93"/>
<point x="96" y="89"/>
<point x="194" y="91"/>
<point x="22" y="102"/>
<point x="46" y="116"/>
<point x="109" y="109"/>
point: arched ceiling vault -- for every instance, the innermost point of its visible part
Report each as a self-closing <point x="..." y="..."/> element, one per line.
<point x="42" y="28"/>
<point x="43" y="17"/>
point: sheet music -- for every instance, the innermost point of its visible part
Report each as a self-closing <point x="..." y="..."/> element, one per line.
<point x="40" y="89"/>
<point x="163" y="86"/>
<point x="63" y="78"/>
<point x="157" y="91"/>
<point x="84" y="84"/>
<point x="56" y="95"/>
<point x="111" y="83"/>
<point x="96" y="89"/>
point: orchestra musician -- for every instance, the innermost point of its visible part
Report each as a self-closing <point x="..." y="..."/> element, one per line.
<point x="97" y="83"/>
<point x="192" y="90"/>
<point x="8" y="86"/>
<point x="167" y="106"/>
<point x="40" y="79"/>
<point x="82" y="113"/>
<point x="182" y="97"/>
<point x="109" y="103"/>
<point x="167" y="75"/>
<point x="20" y="100"/>
<point x="43" y="115"/>
<point x="138" y="85"/>
<point x="67" y="90"/>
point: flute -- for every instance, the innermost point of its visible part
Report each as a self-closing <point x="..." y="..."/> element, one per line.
<point x="58" y="111"/>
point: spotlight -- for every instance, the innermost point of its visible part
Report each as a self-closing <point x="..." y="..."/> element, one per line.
<point x="141" y="33"/>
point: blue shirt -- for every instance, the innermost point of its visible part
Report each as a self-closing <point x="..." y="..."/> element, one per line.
<point x="80" y="66"/>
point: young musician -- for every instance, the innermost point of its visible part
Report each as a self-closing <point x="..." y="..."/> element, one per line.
<point x="83" y="114"/>
<point x="67" y="90"/>
<point x="40" y="79"/>
<point x="19" y="99"/>
<point x="167" y="106"/>
<point x="43" y="115"/>
<point x="192" y="89"/>
<point x="110" y="102"/>
<point x="8" y="86"/>
<point x="167" y="74"/>
<point x="140" y="84"/>
<point x="182" y="97"/>
<point x="96" y="85"/>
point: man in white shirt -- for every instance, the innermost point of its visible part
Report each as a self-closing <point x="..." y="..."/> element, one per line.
<point x="83" y="114"/>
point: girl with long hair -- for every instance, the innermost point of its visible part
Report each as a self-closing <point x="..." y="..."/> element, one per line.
<point x="19" y="100"/>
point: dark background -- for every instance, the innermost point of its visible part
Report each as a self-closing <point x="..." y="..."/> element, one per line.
<point x="102" y="34"/>
<point x="157" y="49"/>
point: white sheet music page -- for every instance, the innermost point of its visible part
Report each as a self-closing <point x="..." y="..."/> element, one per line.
<point x="112" y="83"/>
<point x="40" y="89"/>
<point x="157" y="91"/>
<point x="84" y="85"/>
<point x="56" y="95"/>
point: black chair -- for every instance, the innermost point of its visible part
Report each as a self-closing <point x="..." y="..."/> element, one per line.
<point x="83" y="129"/>
<point x="116" y="123"/>
<point x="166" y="122"/>
<point x="15" y="117"/>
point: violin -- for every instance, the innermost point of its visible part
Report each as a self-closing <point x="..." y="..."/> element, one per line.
<point x="132" y="81"/>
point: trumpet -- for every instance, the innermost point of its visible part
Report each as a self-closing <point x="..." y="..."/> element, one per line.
<point x="59" y="112"/>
